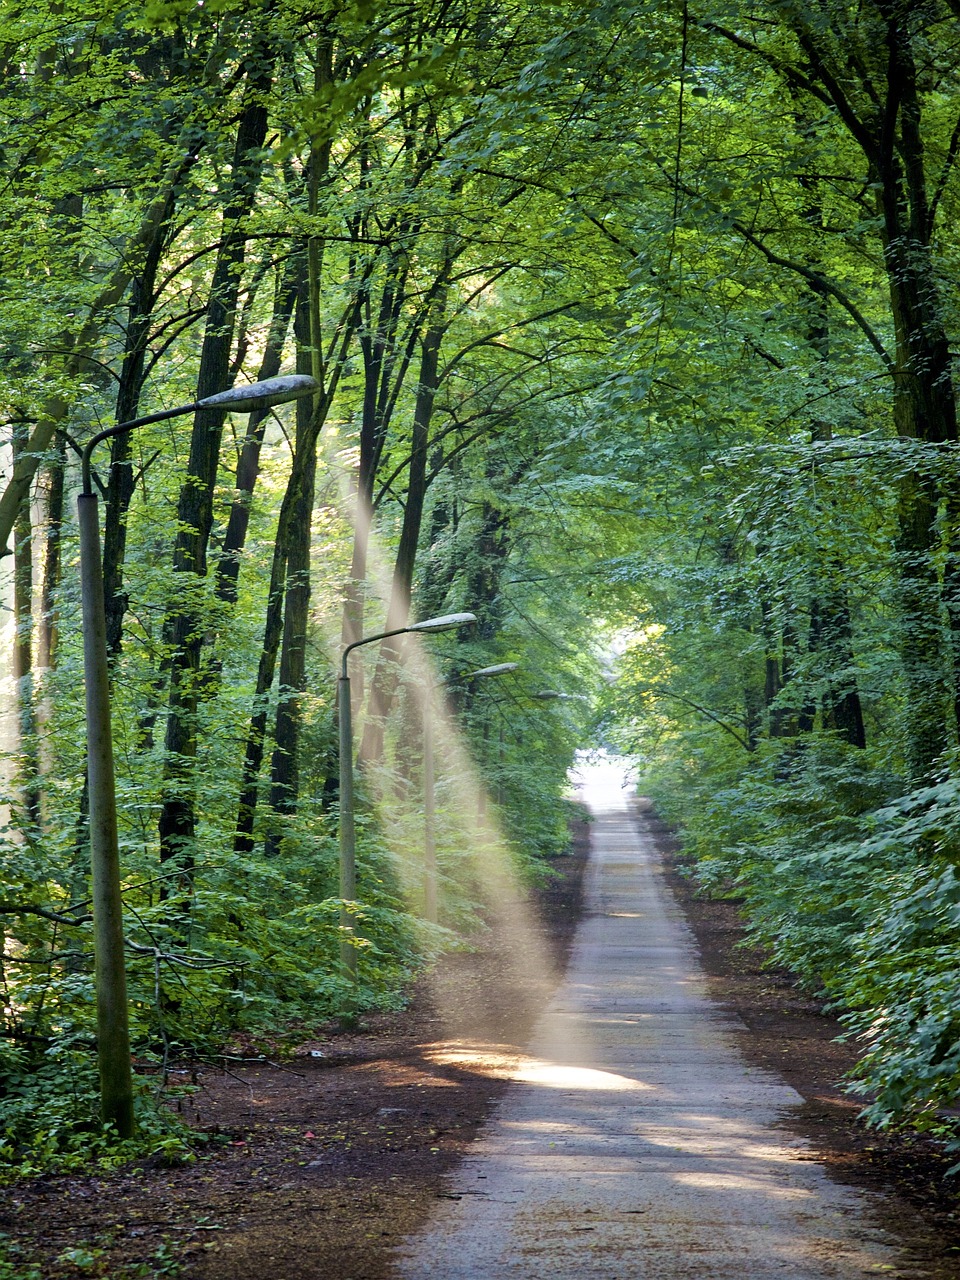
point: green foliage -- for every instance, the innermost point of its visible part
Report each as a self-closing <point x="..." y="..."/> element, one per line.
<point x="780" y="528"/>
<point x="620" y="281"/>
<point x="12" y="1264"/>
<point x="51" y="1121"/>
<point x="858" y="896"/>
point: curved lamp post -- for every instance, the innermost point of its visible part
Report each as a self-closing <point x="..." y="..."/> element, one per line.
<point x="348" y="830"/>
<point x="551" y="695"/>
<point x="429" y="788"/>
<point x="113" y="1036"/>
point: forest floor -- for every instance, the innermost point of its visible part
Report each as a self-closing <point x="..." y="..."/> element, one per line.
<point x="322" y="1164"/>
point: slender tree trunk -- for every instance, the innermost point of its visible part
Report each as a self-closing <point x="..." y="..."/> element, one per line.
<point x="28" y="763"/>
<point x="273" y="631"/>
<point x="304" y="461"/>
<point x="807" y="715"/>
<point x="248" y="464"/>
<point x="831" y="628"/>
<point x="290" y="579"/>
<point x="285" y="774"/>
<point x="924" y="401"/>
<point x="772" y="682"/>
<point x="398" y="613"/>
<point x="378" y="349"/>
<point x="184" y="631"/>
<point x="487" y="563"/>
<point x="121" y="483"/>
<point x="921" y="634"/>
<point x="253" y="752"/>
<point x="842" y="709"/>
<point x="48" y="630"/>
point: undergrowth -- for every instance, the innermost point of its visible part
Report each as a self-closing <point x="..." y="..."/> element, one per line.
<point x="856" y="889"/>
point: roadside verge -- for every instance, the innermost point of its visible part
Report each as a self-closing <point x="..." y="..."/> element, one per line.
<point x="788" y="1031"/>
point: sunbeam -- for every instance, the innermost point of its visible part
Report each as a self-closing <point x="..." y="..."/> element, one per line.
<point x="478" y="884"/>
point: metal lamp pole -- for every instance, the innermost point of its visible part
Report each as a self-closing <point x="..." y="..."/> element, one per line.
<point x="551" y="695"/>
<point x="429" y="798"/>
<point x="113" y="1035"/>
<point x="348" y="830"/>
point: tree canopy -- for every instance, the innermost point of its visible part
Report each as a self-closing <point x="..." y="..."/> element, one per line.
<point x="633" y="330"/>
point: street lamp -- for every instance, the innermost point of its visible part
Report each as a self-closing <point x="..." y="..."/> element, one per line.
<point x="348" y="831"/>
<point x="551" y="695"/>
<point x="429" y="801"/>
<point x="113" y="1036"/>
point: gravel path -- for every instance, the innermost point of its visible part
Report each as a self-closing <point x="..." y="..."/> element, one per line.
<point x="635" y="1144"/>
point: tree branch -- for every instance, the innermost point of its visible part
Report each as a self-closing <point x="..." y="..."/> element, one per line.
<point x="669" y="693"/>
<point x="28" y="909"/>
<point x="826" y="286"/>
<point x="945" y="172"/>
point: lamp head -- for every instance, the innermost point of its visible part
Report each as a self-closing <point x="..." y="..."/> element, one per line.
<point x="448" y="622"/>
<point x="261" y="395"/>
<point x="500" y="669"/>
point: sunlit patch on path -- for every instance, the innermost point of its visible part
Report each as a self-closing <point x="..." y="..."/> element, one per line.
<point x="507" y="1064"/>
<point x="633" y="1142"/>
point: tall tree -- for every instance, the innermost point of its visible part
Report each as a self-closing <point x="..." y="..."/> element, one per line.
<point x="183" y="628"/>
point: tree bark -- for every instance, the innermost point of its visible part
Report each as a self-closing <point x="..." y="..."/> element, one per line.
<point x="385" y="679"/>
<point x="120" y="486"/>
<point x="28" y="759"/>
<point x="285" y="772"/>
<point x="183" y="629"/>
<point x="248" y="464"/>
<point x="48" y="631"/>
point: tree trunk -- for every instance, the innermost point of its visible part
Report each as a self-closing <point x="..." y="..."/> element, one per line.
<point x="273" y="630"/>
<point x="485" y="570"/>
<point x="398" y="613"/>
<point x="48" y="631"/>
<point x="924" y="403"/>
<point x="28" y="761"/>
<point x="284" y="774"/>
<point x="248" y="464"/>
<point x="378" y="349"/>
<point x="82" y="344"/>
<point x="831" y="629"/>
<point x="842" y="709"/>
<point x="879" y="105"/>
<point x="183" y="630"/>
<point x="253" y="752"/>
<point x="772" y="682"/>
<point x="121" y="483"/>
<point x="921" y="634"/>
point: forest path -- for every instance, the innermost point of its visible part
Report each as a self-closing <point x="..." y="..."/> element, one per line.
<point x="635" y="1141"/>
